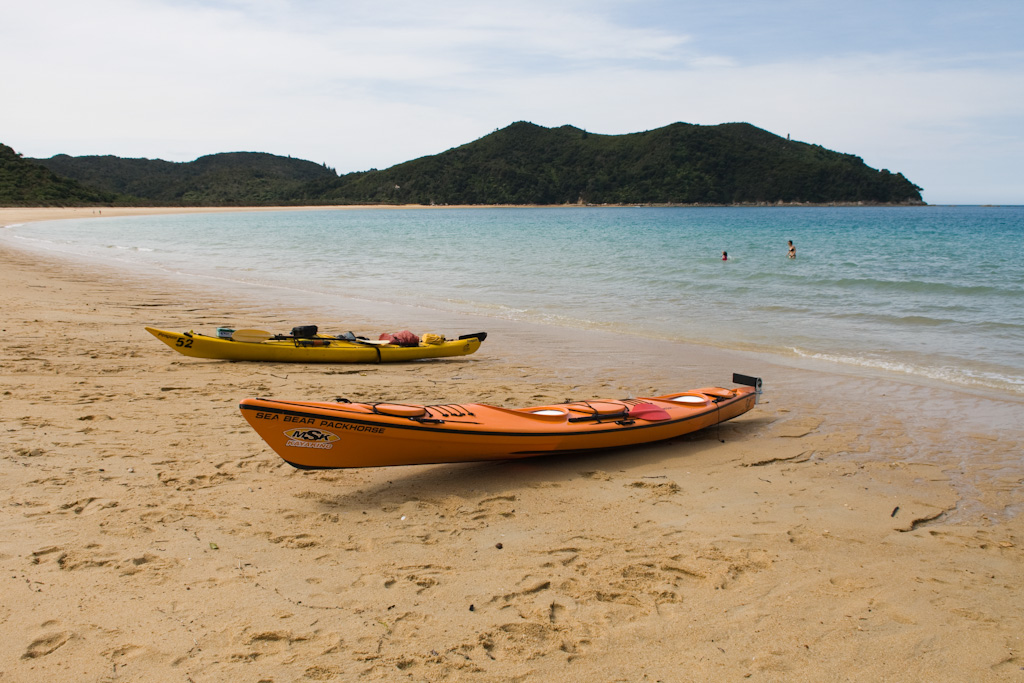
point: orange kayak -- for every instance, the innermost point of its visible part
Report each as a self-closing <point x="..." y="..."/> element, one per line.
<point x="318" y="435"/>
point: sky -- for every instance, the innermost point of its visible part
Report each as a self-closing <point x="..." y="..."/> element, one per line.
<point x="933" y="89"/>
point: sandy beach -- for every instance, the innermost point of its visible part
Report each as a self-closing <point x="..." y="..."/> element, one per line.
<point x="848" y="529"/>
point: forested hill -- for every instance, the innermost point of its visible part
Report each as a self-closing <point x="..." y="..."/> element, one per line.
<point x="23" y="183"/>
<point x="733" y="163"/>
<point x="242" y="178"/>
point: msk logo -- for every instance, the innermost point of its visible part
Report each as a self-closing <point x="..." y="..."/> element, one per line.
<point x="310" y="435"/>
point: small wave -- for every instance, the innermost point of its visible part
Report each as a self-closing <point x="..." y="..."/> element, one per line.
<point x="966" y="377"/>
<point x="120" y="247"/>
<point x="900" y="320"/>
<point x="892" y="287"/>
<point x="964" y="323"/>
<point x="916" y="286"/>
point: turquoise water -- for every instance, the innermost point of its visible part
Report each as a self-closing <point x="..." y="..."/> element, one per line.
<point x="930" y="292"/>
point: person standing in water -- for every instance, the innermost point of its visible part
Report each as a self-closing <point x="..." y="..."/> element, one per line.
<point x="792" y="250"/>
<point x="725" y="256"/>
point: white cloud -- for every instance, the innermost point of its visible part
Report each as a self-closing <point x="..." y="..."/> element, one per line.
<point x="365" y="84"/>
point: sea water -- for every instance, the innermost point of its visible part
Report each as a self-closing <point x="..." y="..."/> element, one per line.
<point x="933" y="293"/>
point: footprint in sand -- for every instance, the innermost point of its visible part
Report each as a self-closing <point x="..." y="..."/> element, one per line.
<point x="657" y="488"/>
<point x="89" y="505"/>
<point x="497" y="505"/>
<point x="295" y="541"/>
<point x="46" y="644"/>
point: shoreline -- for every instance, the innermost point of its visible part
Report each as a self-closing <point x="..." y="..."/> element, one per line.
<point x="9" y="215"/>
<point x="845" y="528"/>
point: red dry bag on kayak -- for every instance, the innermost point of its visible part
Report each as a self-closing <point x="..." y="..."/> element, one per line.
<point x="403" y="338"/>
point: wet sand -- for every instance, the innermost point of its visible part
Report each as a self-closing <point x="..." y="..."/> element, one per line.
<point x="849" y="528"/>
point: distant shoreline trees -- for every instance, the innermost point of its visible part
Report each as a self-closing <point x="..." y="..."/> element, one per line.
<point x="522" y="164"/>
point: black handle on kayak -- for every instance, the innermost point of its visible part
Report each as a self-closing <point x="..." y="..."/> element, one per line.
<point x="611" y="417"/>
<point x="476" y="335"/>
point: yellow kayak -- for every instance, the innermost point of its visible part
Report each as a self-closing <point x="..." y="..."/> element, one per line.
<point x="255" y="345"/>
